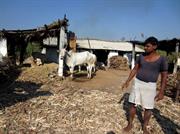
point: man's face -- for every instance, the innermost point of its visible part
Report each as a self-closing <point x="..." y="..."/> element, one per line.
<point x="149" y="48"/>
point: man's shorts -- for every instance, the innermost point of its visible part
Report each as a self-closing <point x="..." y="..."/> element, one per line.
<point x="143" y="93"/>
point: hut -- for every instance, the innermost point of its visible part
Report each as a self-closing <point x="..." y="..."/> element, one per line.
<point x="11" y="40"/>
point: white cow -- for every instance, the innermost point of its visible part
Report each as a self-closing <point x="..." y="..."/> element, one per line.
<point x="93" y="66"/>
<point x="73" y="59"/>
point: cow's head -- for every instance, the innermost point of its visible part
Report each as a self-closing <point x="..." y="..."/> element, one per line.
<point x="64" y="52"/>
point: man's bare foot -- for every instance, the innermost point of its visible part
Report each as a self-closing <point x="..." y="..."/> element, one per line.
<point x="145" y="131"/>
<point x="128" y="128"/>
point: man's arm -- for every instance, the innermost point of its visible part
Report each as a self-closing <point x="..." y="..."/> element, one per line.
<point x="131" y="75"/>
<point x="160" y="95"/>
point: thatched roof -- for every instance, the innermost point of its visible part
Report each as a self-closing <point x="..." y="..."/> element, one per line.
<point x="166" y="45"/>
<point x="51" y="30"/>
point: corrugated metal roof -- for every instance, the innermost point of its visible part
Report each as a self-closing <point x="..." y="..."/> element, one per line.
<point x="108" y="45"/>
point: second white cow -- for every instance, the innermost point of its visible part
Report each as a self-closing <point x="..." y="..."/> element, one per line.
<point x="73" y="59"/>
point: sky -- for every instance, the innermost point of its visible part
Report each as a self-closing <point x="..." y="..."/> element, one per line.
<point x="100" y="19"/>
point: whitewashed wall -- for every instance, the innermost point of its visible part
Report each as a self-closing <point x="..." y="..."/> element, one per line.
<point x="3" y="46"/>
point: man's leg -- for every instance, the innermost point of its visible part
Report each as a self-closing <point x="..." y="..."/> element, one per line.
<point x="147" y="116"/>
<point x="132" y="113"/>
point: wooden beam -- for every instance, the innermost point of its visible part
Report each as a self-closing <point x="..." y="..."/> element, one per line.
<point x="51" y="27"/>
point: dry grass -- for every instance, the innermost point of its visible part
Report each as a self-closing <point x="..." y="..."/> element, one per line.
<point x="44" y="105"/>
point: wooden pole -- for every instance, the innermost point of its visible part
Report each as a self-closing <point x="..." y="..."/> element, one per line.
<point x="11" y="52"/>
<point x="133" y="56"/>
<point x="89" y="45"/>
<point x="177" y="51"/>
<point x="23" y="45"/>
<point x="61" y="46"/>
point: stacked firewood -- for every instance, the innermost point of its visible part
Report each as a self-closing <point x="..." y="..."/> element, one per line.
<point x="170" y="82"/>
<point x="119" y="63"/>
<point x="172" y="85"/>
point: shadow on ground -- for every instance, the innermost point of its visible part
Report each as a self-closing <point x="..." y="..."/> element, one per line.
<point x="167" y="125"/>
<point x="20" y="91"/>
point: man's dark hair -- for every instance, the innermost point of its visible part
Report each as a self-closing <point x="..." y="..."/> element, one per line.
<point x="152" y="40"/>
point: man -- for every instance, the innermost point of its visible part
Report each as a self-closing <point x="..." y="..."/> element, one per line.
<point x="147" y="68"/>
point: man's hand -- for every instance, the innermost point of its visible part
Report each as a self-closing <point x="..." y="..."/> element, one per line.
<point x="159" y="96"/>
<point x="125" y="85"/>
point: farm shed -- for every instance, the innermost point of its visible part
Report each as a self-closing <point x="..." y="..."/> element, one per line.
<point x="170" y="46"/>
<point x="104" y="48"/>
<point x="18" y="39"/>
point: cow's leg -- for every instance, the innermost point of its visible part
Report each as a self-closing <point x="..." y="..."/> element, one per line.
<point x="88" y="72"/>
<point x="71" y="71"/>
<point x="79" y="67"/>
<point x="94" y="69"/>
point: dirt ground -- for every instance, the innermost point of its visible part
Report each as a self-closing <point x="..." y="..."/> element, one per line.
<point x="39" y="102"/>
<point x="102" y="80"/>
